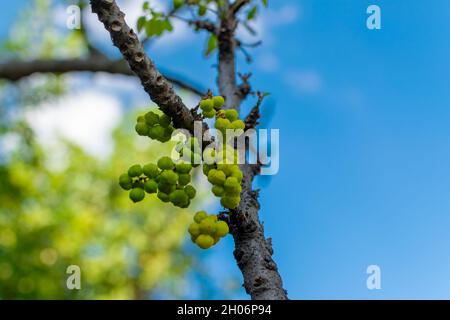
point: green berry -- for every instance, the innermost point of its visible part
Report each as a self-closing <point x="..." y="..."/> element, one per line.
<point x="232" y="185"/>
<point x="137" y="194"/>
<point x="166" y="187"/>
<point x="222" y="124"/>
<point x="218" y="191"/>
<point x="140" y="119"/>
<point x="165" y="163"/>
<point x="222" y="229"/>
<point x="190" y="191"/>
<point x="207" y="105"/>
<point x="231" y="115"/>
<point x="141" y="128"/>
<point x="207" y="226"/>
<point x="226" y="168"/>
<point x="164" y="197"/>
<point x="209" y="114"/>
<point x="184" y="179"/>
<point x="207" y="168"/>
<point x="178" y="197"/>
<point x="151" y="118"/>
<point x="183" y="167"/>
<point x="204" y="241"/>
<point x="165" y="120"/>
<point x="135" y="170"/>
<point x="194" y="229"/>
<point x="216" y="177"/>
<point x="156" y="132"/>
<point x="151" y="186"/>
<point x="218" y="101"/>
<point x="230" y="202"/>
<point x="238" y="124"/>
<point x="150" y="170"/>
<point x="237" y="173"/>
<point x="125" y="181"/>
<point x="199" y="216"/>
<point x="169" y="177"/>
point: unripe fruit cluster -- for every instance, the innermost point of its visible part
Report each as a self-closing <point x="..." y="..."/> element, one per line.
<point x="226" y="180"/>
<point x="157" y="127"/>
<point x="228" y="120"/>
<point x="210" y="106"/>
<point x="169" y="180"/>
<point x="206" y="230"/>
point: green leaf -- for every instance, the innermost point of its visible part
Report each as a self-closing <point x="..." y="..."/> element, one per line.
<point x="212" y="45"/>
<point x="265" y="2"/>
<point x="141" y="23"/>
<point x="252" y="13"/>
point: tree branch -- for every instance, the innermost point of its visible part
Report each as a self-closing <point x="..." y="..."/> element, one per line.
<point x="253" y="252"/>
<point x="17" y="69"/>
<point x="158" y="88"/>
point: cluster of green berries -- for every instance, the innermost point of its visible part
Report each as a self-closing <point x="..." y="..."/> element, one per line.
<point x="225" y="176"/>
<point x="168" y="180"/>
<point x="210" y="106"/>
<point x="228" y="120"/>
<point x="157" y="127"/>
<point x="206" y="230"/>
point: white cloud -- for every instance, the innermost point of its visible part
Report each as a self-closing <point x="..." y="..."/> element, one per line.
<point x="85" y="118"/>
<point x="304" y="81"/>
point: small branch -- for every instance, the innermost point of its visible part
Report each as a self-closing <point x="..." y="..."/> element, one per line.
<point x="251" y="121"/>
<point x="238" y="5"/>
<point x="17" y="69"/>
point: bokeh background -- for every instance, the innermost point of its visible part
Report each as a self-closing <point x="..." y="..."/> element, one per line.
<point x="364" y="157"/>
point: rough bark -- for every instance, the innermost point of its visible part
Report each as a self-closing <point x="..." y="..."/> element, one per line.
<point x="253" y="252"/>
<point x="158" y="88"/>
<point x="17" y="69"/>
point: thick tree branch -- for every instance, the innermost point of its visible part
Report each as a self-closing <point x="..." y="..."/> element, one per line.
<point x="158" y="88"/>
<point x="17" y="69"/>
<point x="253" y="252"/>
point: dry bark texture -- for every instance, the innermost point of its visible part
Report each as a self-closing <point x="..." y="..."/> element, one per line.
<point x="253" y="252"/>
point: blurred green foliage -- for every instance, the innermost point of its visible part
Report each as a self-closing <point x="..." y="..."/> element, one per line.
<point x="62" y="207"/>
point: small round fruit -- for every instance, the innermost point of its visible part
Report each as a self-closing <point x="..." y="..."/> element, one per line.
<point x="169" y="177"/>
<point x="183" y="167"/>
<point x="151" y="118"/>
<point x="184" y="179"/>
<point x="164" y="120"/>
<point x="164" y="197"/>
<point x="141" y="128"/>
<point x="178" y="197"/>
<point x="230" y="202"/>
<point x="221" y="229"/>
<point x="231" y="185"/>
<point x="218" y="101"/>
<point x="207" y="226"/>
<point x="207" y="168"/>
<point x="156" y="132"/>
<point x="151" y="186"/>
<point x="125" y="181"/>
<point x="209" y="114"/>
<point x="166" y="187"/>
<point x="137" y="194"/>
<point x="231" y="114"/>
<point x="150" y="170"/>
<point x="207" y="105"/>
<point x="238" y="124"/>
<point x="135" y="170"/>
<point x="216" y="177"/>
<point x="165" y="163"/>
<point x="204" y="241"/>
<point x="190" y="191"/>
<point x="218" y="191"/>
<point x="199" y="216"/>
<point x="194" y="229"/>
<point x="140" y="119"/>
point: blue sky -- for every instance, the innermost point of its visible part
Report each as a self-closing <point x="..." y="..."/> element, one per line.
<point x="365" y="143"/>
